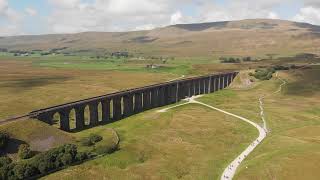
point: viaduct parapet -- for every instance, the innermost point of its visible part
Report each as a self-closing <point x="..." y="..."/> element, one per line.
<point x="119" y="105"/>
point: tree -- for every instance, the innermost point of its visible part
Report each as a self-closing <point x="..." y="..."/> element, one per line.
<point x="25" y="151"/>
<point x="247" y="58"/>
<point x="24" y="170"/>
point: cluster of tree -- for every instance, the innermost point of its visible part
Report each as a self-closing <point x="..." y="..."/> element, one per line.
<point x="42" y="163"/>
<point x="280" y="67"/>
<point x="18" y="52"/>
<point x="45" y="53"/>
<point x="263" y="74"/>
<point x="266" y="73"/>
<point x="56" y="50"/>
<point x="235" y="60"/>
<point x="230" y="60"/>
<point x="91" y="140"/>
<point x="247" y="59"/>
<point x="25" y="151"/>
<point x="120" y="54"/>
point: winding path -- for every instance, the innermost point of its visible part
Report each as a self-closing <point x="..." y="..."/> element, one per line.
<point x="230" y="170"/>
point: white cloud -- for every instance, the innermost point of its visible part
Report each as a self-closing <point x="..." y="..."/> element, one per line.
<point x="176" y="18"/>
<point x="3" y="6"/>
<point x="109" y="15"/>
<point x="236" y="10"/>
<point x="64" y="3"/>
<point x="11" y="20"/>
<point x="70" y="16"/>
<point x="308" y="14"/>
<point x="314" y="3"/>
<point x="31" y="11"/>
<point x="273" y="15"/>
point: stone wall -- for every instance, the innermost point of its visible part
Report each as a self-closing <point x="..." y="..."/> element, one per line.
<point x="119" y="105"/>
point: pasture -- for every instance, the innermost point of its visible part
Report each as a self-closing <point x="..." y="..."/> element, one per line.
<point x="168" y="146"/>
<point x="190" y="142"/>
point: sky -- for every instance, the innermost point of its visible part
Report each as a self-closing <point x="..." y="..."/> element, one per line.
<point x="21" y="17"/>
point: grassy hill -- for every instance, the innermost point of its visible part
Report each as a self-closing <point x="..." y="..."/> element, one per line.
<point x="253" y="37"/>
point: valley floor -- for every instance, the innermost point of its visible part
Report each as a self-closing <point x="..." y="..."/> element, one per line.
<point x="193" y="142"/>
<point x="189" y="142"/>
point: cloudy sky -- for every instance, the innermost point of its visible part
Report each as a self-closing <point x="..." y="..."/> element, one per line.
<point x="19" y="17"/>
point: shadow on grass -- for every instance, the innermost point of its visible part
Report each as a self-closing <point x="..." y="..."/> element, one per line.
<point x="26" y="83"/>
<point x="307" y="83"/>
<point x="12" y="147"/>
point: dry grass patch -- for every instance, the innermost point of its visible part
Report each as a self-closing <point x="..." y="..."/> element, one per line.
<point x="24" y="88"/>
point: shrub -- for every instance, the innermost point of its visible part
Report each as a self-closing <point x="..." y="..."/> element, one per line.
<point x="5" y="161"/>
<point x="229" y="60"/>
<point x="106" y="149"/>
<point x="81" y="156"/>
<point x="67" y="159"/>
<point x="4" y="139"/>
<point x="6" y="171"/>
<point x="246" y="59"/>
<point x="95" y="138"/>
<point x="279" y="67"/>
<point x="55" y="158"/>
<point x="24" y="151"/>
<point x="5" y="166"/>
<point x="263" y="74"/>
<point x="24" y="171"/>
<point x="86" y="142"/>
<point x="91" y="140"/>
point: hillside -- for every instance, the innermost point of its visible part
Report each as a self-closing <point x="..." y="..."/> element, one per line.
<point x="245" y="37"/>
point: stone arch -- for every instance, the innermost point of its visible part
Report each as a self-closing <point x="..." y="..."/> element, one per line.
<point x="56" y="119"/>
<point x="100" y="111"/>
<point x="122" y="105"/>
<point x="86" y="115"/>
<point x="111" y="108"/>
<point x="72" y="119"/>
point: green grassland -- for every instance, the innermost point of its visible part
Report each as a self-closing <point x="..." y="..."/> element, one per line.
<point x="193" y="142"/>
<point x="190" y="142"/>
<point x="179" y="66"/>
<point x="292" y="149"/>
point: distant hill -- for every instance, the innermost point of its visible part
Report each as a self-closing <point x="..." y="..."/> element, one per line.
<point x="244" y="37"/>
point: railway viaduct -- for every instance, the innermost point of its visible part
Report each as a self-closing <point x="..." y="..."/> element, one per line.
<point x="116" y="106"/>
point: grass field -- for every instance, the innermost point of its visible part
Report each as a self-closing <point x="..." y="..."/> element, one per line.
<point x="292" y="149"/>
<point x="193" y="142"/>
<point x="24" y="88"/>
<point x="190" y="142"/>
<point x="29" y="83"/>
